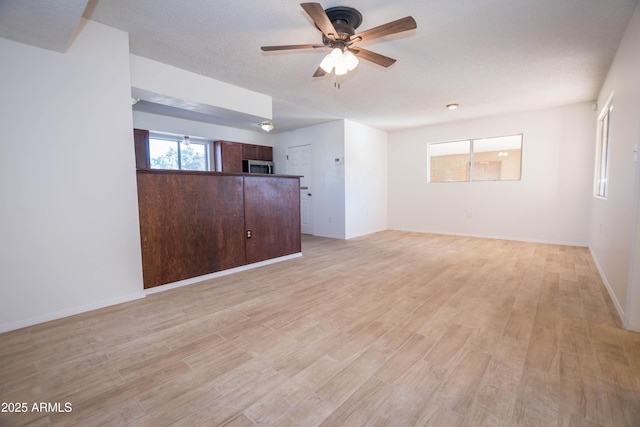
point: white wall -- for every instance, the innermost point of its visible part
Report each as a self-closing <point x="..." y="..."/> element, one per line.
<point x="327" y="142"/>
<point x="365" y="179"/>
<point x="159" y="123"/>
<point x="69" y="235"/>
<point x="550" y="204"/>
<point x="163" y="83"/>
<point x="615" y="222"/>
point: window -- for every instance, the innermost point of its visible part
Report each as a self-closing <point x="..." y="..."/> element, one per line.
<point x="486" y="159"/>
<point x="173" y="152"/>
<point x="602" y="150"/>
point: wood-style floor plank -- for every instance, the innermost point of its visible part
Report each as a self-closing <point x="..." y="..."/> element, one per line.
<point x="390" y="329"/>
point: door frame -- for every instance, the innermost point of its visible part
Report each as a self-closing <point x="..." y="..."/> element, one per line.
<point x="309" y="229"/>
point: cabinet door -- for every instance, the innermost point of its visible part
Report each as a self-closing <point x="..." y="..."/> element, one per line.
<point x="141" y="141"/>
<point x="257" y="152"/>
<point x="264" y="153"/>
<point x="272" y="213"/>
<point x="250" y="152"/>
<point x="190" y="225"/>
<point x="228" y="156"/>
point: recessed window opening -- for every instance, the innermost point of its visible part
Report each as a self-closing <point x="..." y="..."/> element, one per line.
<point x="179" y="152"/>
<point x="601" y="187"/>
<point x="482" y="159"/>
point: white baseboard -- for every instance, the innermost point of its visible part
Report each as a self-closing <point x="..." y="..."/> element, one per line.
<point x="509" y="238"/>
<point x="616" y="303"/>
<point x="6" y="327"/>
<point x="193" y="280"/>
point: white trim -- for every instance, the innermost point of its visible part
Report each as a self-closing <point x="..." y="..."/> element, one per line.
<point x="631" y="319"/>
<point x="608" y="106"/>
<point x="222" y="273"/>
<point x="616" y="303"/>
<point x="131" y="297"/>
<point x="69" y="312"/>
<point x="484" y="236"/>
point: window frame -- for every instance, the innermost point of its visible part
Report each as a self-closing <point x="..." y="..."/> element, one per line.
<point x="603" y="147"/>
<point x="178" y="140"/>
<point x="471" y="154"/>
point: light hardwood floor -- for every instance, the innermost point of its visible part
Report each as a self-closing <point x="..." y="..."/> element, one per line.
<point x="391" y="329"/>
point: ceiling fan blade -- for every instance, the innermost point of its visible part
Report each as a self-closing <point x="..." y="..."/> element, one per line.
<point x="393" y="27"/>
<point x="376" y="58"/>
<point x="291" y="46"/>
<point x="319" y="72"/>
<point x="320" y="18"/>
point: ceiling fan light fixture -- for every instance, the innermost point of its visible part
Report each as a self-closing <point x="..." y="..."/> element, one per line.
<point x="267" y="126"/>
<point x="327" y="63"/>
<point x="341" y="69"/>
<point x="349" y="60"/>
<point x="332" y="59"/>
<point x="341" y="61"/>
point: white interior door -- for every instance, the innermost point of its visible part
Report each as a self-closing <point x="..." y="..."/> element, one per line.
<point x="299" y="162"/>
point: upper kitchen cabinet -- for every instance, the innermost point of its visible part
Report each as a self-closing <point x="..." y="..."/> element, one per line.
<point x="257" y="152"/>
<point x="229" y="155"/>
<point x="141" y="140"/>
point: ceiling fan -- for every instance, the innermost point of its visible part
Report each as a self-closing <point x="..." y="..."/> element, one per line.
<point x="338" y="25"/>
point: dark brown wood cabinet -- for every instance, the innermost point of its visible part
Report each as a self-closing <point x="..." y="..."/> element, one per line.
<point x="195" y="223"/>
<point x="264" y="153"/>
<point x="141" y="143"/>
<point x="250" y="152"/>
<point x="229" y="155"/>
<point x="272" y="213"/>
<point x="190" y="225"/>
<point x="257" y="152"/>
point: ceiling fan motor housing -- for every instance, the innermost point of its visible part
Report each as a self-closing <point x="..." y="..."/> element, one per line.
<point x="345" y="20"/>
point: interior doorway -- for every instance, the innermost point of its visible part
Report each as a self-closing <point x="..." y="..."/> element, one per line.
<point x="300" y="162"/>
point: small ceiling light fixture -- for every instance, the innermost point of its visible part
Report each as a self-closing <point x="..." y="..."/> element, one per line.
<point x="452" y="106"/>
<point x="134" y="101"/>
<point x="267" y="126"/>
<point x="186" y="140"/>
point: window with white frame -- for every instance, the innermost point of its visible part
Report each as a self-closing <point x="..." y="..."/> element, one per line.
<point x="482" y="159"/>
<point x="602" y="151"/>
<point x="180" y="153"/>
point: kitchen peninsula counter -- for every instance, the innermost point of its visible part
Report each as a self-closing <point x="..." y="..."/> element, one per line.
<point x="194" y="223"/>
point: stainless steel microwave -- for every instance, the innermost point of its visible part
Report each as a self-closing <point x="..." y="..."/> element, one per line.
<point x="257" y="166"/>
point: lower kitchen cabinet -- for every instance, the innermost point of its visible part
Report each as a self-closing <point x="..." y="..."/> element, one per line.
<point x="193" y="223"/>
<point x="272" y="213"/>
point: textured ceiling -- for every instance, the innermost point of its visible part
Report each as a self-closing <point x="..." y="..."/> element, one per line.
<point x="490" y="56"/>
<point x="47" y="24"/>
